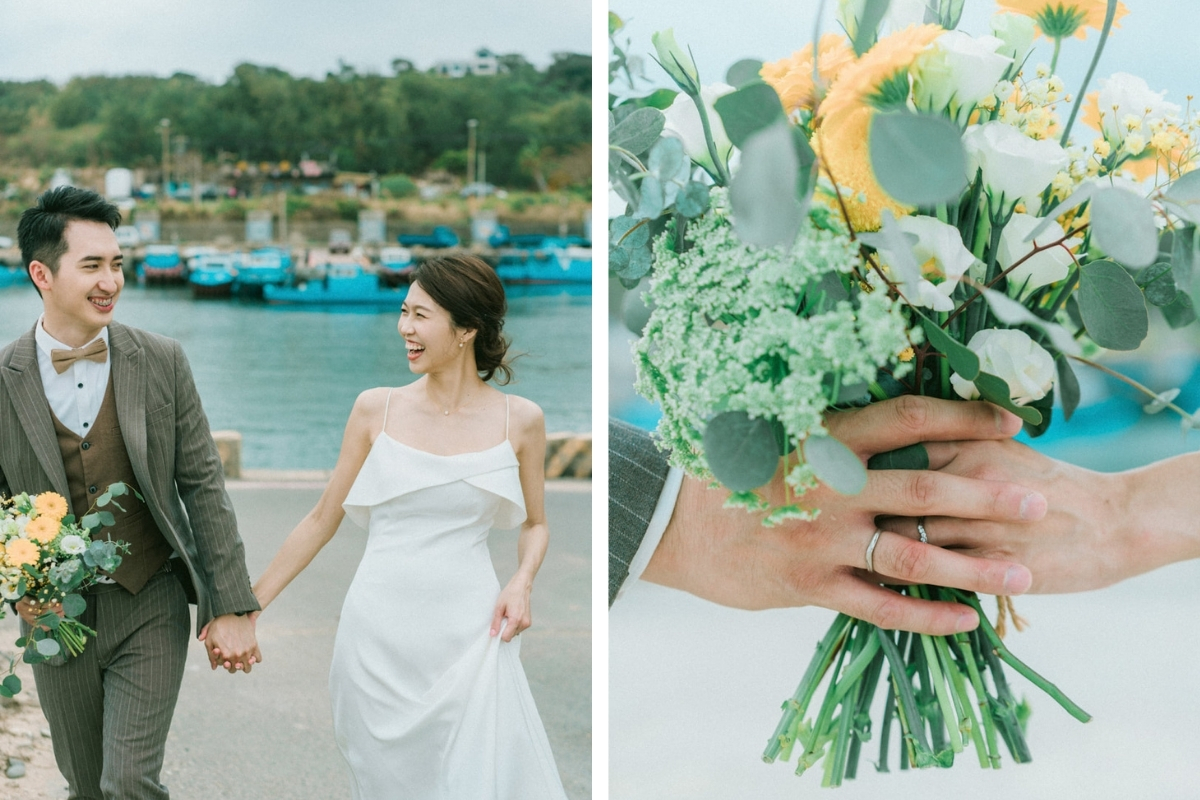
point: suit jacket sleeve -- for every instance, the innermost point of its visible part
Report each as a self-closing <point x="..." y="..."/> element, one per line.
<point x="637" y="472"/>
<point x="201" y="484"/>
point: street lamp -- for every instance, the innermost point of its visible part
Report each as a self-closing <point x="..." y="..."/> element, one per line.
<point x="472" y="124"/>
<point x="165" y="125"/>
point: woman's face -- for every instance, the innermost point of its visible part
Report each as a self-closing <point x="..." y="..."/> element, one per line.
<point x="429" y="333"/>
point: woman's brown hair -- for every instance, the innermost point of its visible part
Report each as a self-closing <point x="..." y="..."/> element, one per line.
<point x="470" y="290"/>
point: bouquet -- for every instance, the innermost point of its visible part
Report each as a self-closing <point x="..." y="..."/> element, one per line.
<point x="889" y="213"/>
<point x="47" y="555"/>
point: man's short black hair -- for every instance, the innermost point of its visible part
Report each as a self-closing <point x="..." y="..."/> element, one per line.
<point x="40" y="231"/>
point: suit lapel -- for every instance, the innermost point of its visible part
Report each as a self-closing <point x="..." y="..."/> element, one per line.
<point x="129" y="385"/>
<point x="23" y="381"/>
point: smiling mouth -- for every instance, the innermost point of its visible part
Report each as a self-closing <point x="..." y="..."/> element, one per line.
<point x="414" y="350"/>
<point x="102" y="303"/>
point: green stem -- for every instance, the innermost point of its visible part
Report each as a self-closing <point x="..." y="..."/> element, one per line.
<point x="985" y="712"/>
<point x="939" y="686"/>
<point x="966" y="713"/>
<point x="722" y="175"/>
<point x="1131" y="382"/>
<point x="1057" y="50"/>
<point x="1109" y="13"/>
<point x="798" y="704"/>
<point x="819" y="732"/>
<point x="910" y="718"/>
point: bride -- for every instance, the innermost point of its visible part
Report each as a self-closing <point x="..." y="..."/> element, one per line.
<point x="429" y="697"/>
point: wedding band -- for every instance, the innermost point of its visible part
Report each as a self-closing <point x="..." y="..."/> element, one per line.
<point x="871" y="550"/>
<point x="921" y="530"/>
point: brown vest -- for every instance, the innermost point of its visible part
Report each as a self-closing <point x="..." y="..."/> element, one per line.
<point x="93" y="463"/>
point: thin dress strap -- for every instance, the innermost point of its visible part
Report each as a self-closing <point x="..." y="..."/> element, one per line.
<point x="386" y="403"/>
<point x="506" y="418"/>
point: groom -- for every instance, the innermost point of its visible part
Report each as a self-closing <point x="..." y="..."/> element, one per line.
<point x="86" y="402"/>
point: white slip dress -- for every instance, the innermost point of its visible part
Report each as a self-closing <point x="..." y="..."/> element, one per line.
<point x="427" y="705"/>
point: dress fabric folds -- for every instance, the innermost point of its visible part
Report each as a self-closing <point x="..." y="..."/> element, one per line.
<point x="427" y="705"/>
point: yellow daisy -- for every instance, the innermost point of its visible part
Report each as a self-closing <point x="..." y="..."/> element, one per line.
<point x="42" y="528"/>
<point x="884" y="63"/>
<point x="841" y="143"/>
<point x="792" y="78"/>
<point x="1058" y="19"/>
<point x="50" y="504"/>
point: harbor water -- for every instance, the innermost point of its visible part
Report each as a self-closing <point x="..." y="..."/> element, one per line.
<point x="286" y="377"/>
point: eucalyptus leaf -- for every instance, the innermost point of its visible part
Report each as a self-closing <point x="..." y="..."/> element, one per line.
<point x="1123" y="226"/>
<point x="48" y="648"/>
<point x="626" y="231"/>
<point x="1077" y="198"/>
<point x="1181" y="312"/>
<point x="918" y="159"/>
<point x="872" y="15"/>
<point x="1068" y="387"/>
<point x="692" y="201"/>
<point x="90" y="521"/>
<point x="634" y="311"/>
<point x="106" y="518"/>
<point x="74" y="605"/>
<point x="748" y="110"/>
<point x="118" y="489"/>
<point x="1158" y="284"/>
<point x="653" y="200"/>
<point x="1044" y="406"/>
<point x="12" y="683"/>
<point x="1112" y="306"/>
<point x="995" y="390"/>
<point x="103" y="500"/>
<point x="835" y="465"/>
<point x="1184" y="196"/>
<point x="667" y="160"/>
<point x="1012" y="313"/>
<point x="741" y="452"/>
<point x="766" y="212"/>
<point x="638" y="131"/>
<point x="914" y="456"/>
<point x="1183" y="255"/>
<point x="963" y="359"/>
<point x="743" y="72"/>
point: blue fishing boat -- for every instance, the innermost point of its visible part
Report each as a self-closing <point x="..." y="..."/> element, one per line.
<point x="212" y="276"/>
<point x="262" y="267"/>
<point x="556" y="261"/>
<point x="343" y="284"/>
<point x="161" y="264"/>
<point x="12" y="276"/>
<point x="442" y="237"/>
<point x="396" y="265"/>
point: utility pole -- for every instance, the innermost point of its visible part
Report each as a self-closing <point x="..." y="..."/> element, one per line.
<point x="165" y="126"/>
<point x="472" y="124"/>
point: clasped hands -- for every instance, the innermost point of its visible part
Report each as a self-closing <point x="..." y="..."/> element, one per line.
<point x="727" y="556"/>
<point x="231" y="642"/>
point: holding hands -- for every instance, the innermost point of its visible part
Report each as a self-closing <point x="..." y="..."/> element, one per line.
<point x="231" y="642"/>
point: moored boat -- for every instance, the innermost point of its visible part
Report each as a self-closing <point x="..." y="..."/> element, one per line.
<point x="212" y="276"/>
<point x="12" y="276"/>
<point x="343" y="284"/>
<point x="396" y="265"/>
<point x="265" y="266"/>
<point x="161" y="264"/>
<point x="555" y="261"/>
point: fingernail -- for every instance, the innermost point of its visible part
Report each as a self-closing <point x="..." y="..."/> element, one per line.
<point x="1006" y="423"/>
<point x="967" y="621"/>
<point x="1033" y="506"/>
<point x="1017" y="580"/>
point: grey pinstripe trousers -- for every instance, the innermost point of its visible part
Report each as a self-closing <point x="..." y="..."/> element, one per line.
<point x="637" y="471"/>
<point x="110" y="708"/>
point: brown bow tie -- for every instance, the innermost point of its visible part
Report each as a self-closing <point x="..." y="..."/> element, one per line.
<point x="62" y="359"/>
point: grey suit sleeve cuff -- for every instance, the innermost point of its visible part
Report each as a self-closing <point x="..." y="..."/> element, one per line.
<point x="637" y="472"/>
<point x="654" y="531"/>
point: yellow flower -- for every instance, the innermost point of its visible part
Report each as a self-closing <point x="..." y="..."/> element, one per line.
<point x="890" y="57"/>
<point x="907" y="354"/>
<point x="1058" y="19"/>
<point x="42" y="528"/>
<point x="50" y="504"/>
<point x="841" y="143"/>
<point x="792" y="78"/>
<point x="22" y="551"/>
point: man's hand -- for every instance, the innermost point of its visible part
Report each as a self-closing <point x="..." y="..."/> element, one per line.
<point x="1100" y="529"/>
<point x="231" y="642"/>
<point x="727" y="556"/>
<point x="30" y="609"/>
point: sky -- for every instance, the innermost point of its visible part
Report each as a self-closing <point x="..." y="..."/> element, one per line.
<point x="61" y="39"/>
<point x="1156" y="40"/>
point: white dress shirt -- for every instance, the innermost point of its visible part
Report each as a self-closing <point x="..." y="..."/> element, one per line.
<point x="75" y="396"/>
<point x="654" y="531"/>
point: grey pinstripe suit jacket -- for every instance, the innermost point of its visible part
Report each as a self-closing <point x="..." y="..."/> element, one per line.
<point x="637" y="471"/>
<point x="166" y="434"/>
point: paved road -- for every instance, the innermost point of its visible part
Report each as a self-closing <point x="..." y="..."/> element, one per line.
<point x="269" y="734"/>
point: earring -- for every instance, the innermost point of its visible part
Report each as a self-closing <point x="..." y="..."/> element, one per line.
<point x="460" y="344"/>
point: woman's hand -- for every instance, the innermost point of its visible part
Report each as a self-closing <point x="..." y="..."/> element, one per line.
<point x="512" y="605"/>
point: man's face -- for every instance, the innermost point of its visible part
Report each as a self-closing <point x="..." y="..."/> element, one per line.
<point x="80" y="297"/>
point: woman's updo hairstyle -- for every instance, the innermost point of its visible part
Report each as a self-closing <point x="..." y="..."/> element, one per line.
<point x="470" y="290"/>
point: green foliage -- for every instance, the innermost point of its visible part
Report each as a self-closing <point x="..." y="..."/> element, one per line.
<point x="1123" y="226"/>
<point x="741" y="451"/>
<point x="748" y="110"/>
<point x="917" y="159"/>
<point x="398" y="186"/>
<point x="767" y="210"/>
<point x="914" y="456"/>
<point x="835" y="465"/>
<point x="1112" y="306"/>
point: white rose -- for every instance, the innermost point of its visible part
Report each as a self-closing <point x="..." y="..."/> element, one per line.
<point x="957" y="72"/>
<point x="73" y="545"/>
<point x="1014" y="166"/>
<point x="675" y="60"/>
<point x="8" y="528"/>
<point x="21" y="521"/>
<point x="1123" y="96"/>
<point x="1012" y="356"/>
<point x="1016" y="33"/>
<point x="1048" y="266"/>
<point x="683" y="122"/>
<point x="939" y="252"/>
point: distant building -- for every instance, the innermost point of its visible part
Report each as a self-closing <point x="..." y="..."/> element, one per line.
<point x="485" y="62"/>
